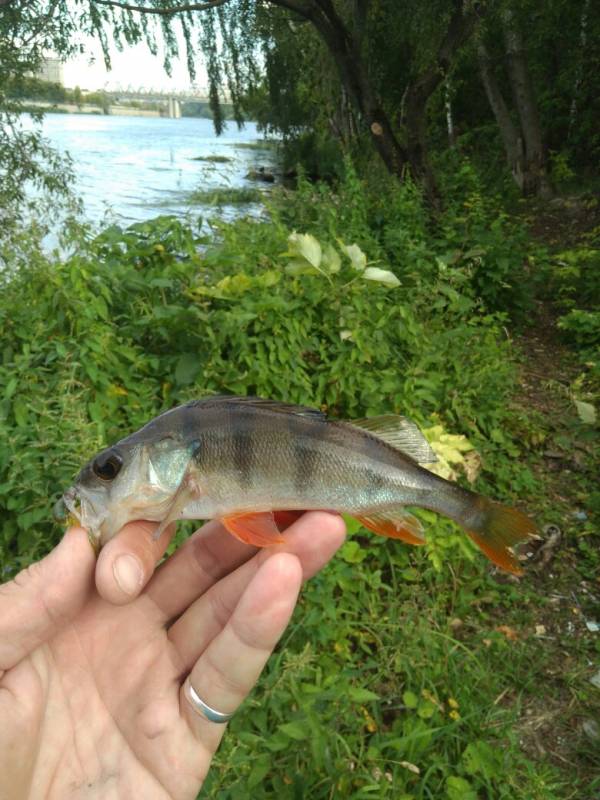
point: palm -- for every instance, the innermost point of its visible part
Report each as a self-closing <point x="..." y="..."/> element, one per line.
<point x="112" y="681"/>
<point x="96" y="710"/>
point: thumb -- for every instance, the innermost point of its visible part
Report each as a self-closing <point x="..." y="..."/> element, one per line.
<point x="44" y="597"/>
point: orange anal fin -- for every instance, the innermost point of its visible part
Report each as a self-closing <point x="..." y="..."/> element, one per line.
<point x="258" y="529"/>
<point x="283" y="519"/>
<point x="395" y="525"/>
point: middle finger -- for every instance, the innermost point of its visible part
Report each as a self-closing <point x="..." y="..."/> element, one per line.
<point x="203" y="559"/>
<point x="313" y="539"/>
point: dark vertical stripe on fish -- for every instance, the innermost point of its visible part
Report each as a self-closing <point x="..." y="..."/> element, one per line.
<point x="374" y="484"/>
<point x="371" y="447"/>
<point x="242" y="449"/>
<point x="305" y="465"/>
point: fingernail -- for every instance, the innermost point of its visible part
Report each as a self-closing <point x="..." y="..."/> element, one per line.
<point x="128" y="574"/>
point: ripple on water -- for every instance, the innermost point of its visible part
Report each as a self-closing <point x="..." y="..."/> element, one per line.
<point x="135" y="166"/>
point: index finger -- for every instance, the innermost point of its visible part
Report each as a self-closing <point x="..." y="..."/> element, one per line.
<point x="126" y="563"/>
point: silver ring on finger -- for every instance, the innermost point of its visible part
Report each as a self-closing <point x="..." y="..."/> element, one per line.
<point x="202" y="708"/>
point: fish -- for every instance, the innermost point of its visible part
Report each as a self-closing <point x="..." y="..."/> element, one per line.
<point x="255" y="463"/>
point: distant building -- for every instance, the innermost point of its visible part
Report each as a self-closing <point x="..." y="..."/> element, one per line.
<point x="51" y="70"/>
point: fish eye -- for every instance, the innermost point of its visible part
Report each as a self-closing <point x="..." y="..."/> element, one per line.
<point x="107" y="465"/>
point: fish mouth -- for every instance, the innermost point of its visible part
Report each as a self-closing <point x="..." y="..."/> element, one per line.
<point x="81" y="508"/>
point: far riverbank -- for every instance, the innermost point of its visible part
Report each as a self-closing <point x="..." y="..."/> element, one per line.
<point x="112" y="110"/>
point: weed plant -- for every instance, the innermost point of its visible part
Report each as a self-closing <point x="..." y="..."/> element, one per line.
<point x="395" y="679"/>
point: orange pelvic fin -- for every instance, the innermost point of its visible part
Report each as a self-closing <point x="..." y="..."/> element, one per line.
<point x="258" y="529"/>
<point x="502" y="528"/>
<point x="283" y="519"/>
<point x="396" y="524"/>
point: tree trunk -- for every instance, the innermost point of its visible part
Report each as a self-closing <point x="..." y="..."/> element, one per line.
<point x="513" y="144"/>
<point x="537" y="181"/>
<point x="415" y="123"/>
<point x="579" y="72"/>
<point x="345" y="53"/>
<point x="417" y="96"/>
<point x="449" y="116"/>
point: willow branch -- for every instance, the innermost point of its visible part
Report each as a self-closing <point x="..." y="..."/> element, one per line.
<point x="163" y="11"/>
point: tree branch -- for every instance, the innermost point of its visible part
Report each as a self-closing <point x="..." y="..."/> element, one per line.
<point x="460" y="27"/>
<point x="162" y="11"/>
<point x="303" y="9"/>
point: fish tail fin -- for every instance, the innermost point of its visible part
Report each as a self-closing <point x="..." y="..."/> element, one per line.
<point x="395" y="524"/>
<point x="502" y="527"/>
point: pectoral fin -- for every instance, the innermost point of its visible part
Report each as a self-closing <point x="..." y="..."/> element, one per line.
<point x="258" y="529"/>
<point x="395" y="524"/>
<point x="187" y="492"/>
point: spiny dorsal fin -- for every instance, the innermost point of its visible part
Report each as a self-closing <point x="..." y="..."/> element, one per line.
<point x="261" y="402"/>
<point x="400" y="433"/>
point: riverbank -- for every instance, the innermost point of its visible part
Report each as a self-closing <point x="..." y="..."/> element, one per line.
<point x="84" y="108"/>
<point x="169" y="109"/>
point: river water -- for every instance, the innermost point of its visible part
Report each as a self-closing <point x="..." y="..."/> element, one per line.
<point x="136" y="168"/>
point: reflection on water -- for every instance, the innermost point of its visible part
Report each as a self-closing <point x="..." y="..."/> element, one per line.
<point x="138" y="167"/>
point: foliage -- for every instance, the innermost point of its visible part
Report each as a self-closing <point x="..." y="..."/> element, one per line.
<point x="226" y="196"/>
<point x="395" y="678"/>
<point x="572" y="280"/>
<point x="30" y="170"/>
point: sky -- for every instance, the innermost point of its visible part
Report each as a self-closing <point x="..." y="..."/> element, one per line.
<point x="135" y="67"/>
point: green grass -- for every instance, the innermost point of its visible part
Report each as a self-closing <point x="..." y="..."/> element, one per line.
<point x="259" y="144"/>
<point x="213" y="159"/>
<point x="226" y="197"/>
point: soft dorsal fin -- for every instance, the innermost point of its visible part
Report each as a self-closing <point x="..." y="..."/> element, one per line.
<point x="260" y="403"/>
<point x="400" y="433"/>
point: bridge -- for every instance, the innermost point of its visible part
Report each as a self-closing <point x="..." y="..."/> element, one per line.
<point x="171" y="99"/>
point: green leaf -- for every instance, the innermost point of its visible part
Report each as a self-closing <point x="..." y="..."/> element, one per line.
<point x="381" y="276"/>
<point x="479" y="757"/>
<point x="410" y="699"/>
<point x="362" y="695"/>
<point x="426" y="710"/>
<point x="21" y="412"/>
<point x="586" y="411"/>
<point x="259" y="771"/>
<point x="11" y="387"/>
<point x="353" y="553"/>
<point x="295" y="730"/>
<point x="187" y="369"/>
<point x="356" y="256"/>
<point x="331" y="259"/>
<point x="305" y="246"/>
<point x="459" y="789"/>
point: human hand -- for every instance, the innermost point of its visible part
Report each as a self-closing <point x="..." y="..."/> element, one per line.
<point x="92" y="675"/>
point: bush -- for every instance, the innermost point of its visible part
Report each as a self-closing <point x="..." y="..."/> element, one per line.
<point x="349" y="302"/>
<point x="142" y="319"/>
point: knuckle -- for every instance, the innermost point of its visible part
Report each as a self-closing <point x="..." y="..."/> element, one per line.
<point x="225" y="682"/>
<point x="204" y="560"/>
<point x="220" y="608"/>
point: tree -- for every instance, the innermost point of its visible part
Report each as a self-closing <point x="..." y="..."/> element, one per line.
<point x="27" y="30"/>
<point x="342" y="27"/>
<point x="523" y="141"/>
